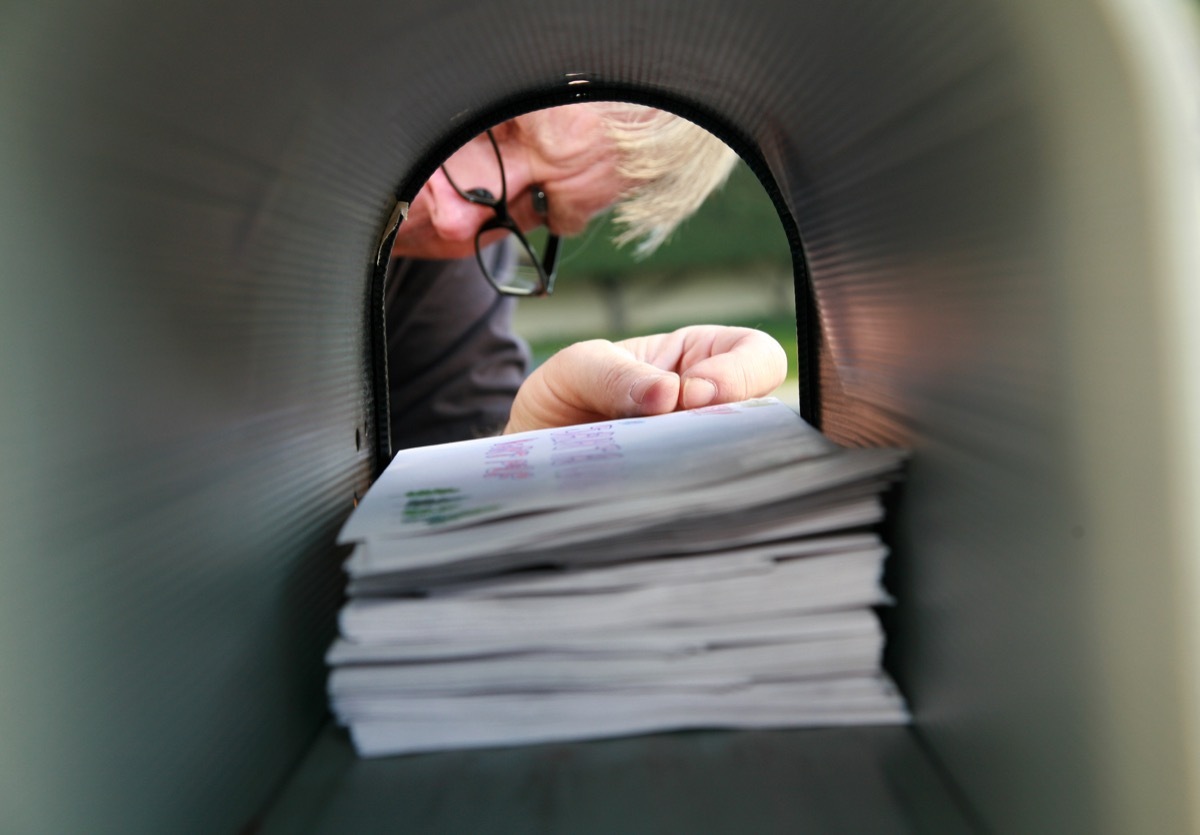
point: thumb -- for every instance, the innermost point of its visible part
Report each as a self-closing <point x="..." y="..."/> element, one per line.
<point x="591" y="381"/>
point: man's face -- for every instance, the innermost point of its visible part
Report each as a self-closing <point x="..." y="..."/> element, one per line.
<point x="563" y="150"/>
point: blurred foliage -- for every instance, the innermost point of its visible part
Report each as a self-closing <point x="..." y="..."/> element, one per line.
<point x="736" y="228"/>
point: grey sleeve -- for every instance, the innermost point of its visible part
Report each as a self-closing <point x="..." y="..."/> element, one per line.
<point x="454" y="362"/>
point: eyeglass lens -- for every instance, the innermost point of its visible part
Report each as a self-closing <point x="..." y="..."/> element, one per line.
<point x="533" y="274"/>
<point x="526" y="277"/>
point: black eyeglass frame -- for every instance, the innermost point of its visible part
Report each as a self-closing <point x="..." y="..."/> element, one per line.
<point x="547" y="266"/>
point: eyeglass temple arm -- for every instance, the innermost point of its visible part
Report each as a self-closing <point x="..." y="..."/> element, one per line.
<point x="499" y="161"/>
<point x="550" y="258"/>
<point x="481" y="196"/>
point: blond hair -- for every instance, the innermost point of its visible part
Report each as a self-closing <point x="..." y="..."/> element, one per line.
<point x="672" y="165"/>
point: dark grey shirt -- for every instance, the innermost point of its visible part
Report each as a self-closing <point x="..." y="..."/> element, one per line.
<point x="454" y="362"/>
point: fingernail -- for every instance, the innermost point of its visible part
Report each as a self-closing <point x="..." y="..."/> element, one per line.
<point x="641" y="388"/>
<point x="698" y="392"/>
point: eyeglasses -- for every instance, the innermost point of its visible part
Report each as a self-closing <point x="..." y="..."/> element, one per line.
<point x="533" y="276"/>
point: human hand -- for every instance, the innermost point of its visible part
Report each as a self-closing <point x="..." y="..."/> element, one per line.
<point x="692" y="367"/>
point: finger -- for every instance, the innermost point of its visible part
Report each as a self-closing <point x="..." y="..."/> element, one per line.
<point x="592" y="381"/>
<point x="736" y="364"/>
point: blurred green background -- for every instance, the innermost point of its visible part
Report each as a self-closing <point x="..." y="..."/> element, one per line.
<point x="728" y="264"/>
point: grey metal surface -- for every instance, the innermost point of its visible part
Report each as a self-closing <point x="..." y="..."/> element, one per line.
<point x="190" y="195"/>
<point x="182" y="356"/>
<point x="823" y="782"/>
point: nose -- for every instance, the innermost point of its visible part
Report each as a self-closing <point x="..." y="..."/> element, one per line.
<point x="454" y="218"/>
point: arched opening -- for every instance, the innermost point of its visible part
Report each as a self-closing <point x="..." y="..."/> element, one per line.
<point x="731" y="261"/>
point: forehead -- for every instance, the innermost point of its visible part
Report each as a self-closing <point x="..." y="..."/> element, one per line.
<point x="564" y="131"/>
<point x="573" y="156"/>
